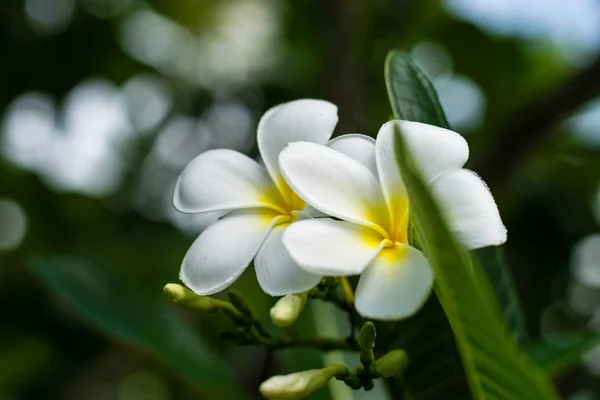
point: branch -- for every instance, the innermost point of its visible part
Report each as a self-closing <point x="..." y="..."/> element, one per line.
<point x="534" y="122"/>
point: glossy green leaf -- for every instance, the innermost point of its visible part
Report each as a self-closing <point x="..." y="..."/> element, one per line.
<point x="145" y="320"/>
<point x="494" y="365"/>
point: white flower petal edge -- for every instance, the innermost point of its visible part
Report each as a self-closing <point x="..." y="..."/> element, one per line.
<point x="358" y="147"/>
<point x="469" y="209"/>
<point x="224" y="180"/>
<point x="225" y="249"/>
<point x="277" y="273"/>
<point x="434" y="150"/>
<point x="333" y="183"/>
<point x="306" y="120"/>
<point x="395" y="285"/>
<point x="332" y="248"/>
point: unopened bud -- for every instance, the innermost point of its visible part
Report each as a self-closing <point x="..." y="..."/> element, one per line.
<point x="391" y="364"/>
<point x="300" y="384"/>
<point x="366" y="340"/>
<point x="185" y="296"/>
<point x="182" y="295"/>
<point x="287" y="310"/>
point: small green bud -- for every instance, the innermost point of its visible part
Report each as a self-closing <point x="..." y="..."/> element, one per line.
<point x="182" y="295"/>
<point x="300" y="384"/>
<point x="287" y="310"/>
<point x="353" y="381"/>
<point x="366" y="340"/>
<point x="391" y="364"/>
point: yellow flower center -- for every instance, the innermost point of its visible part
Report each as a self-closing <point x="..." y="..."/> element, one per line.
<point x="285" y="201"/>
<point x="396" y="230"/>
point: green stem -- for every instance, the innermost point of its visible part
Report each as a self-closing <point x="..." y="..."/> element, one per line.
<point x="323" y="344"/>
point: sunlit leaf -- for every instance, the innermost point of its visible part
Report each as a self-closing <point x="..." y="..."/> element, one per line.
<point x="123" y="310"/>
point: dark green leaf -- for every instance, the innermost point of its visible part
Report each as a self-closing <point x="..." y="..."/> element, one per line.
<point x="125" y="311"/>
<point x="555" y="358"/>
<point x="493" y="262"/>
<point x="493" y="363"/>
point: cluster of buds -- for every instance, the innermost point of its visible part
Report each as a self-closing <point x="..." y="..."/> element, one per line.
<point x="301" y="384"/>
<point x="249" y="331"/>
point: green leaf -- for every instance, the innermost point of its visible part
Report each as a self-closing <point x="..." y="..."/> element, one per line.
<point x="555" y="358"/>
<point x="128" y="313"/>
<point x="493" y="262"/>
<point x="413" y="98"/>
<point x="435" y="369"/>
<point x="493" y="363"/>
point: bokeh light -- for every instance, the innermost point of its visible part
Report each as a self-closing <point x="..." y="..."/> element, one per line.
<point x="149" y="98"/>
<point x="49" y="17"/>
<point x="142" y="386"/>
<point x="462" y="99"/>
<point x="13" y="226"/>
<point x="573" y="24"/>
<point x="585" y="261"/>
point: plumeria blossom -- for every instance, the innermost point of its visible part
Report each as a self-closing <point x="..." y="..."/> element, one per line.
<point x="369" y="235"/>
<point x="257" y="204"/>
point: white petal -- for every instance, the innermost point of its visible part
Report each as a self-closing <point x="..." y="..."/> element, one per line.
<point x="434" y="150"/>
<point x="469" y="208"/>
<point x="277" y="273"/>
<point x="395" y="285"/>
<point x="224" y="180"/>
<point x="334" y="183"/>
<point x="333" y="248"/>
<point x="224" y="250"/>
<point x="389" y="175"/>
<point x="304" y="120"/>
<point x="358" y="147"/>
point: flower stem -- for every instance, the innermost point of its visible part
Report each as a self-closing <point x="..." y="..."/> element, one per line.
<point x="348" y="292"/>
<point x="323" y="344"/>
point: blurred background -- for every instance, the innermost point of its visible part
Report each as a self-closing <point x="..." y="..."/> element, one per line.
<point x="104" y="102"/>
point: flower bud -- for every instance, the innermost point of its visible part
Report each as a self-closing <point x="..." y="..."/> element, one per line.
<point x="391" y="364"/>
<point x="366" y="340"/>
<point x="300" y="384"/>
<point x="288" y="309"/>
<point x="182" y="295"/>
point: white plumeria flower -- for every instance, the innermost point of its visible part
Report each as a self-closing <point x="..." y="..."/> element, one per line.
<point x="259" y="204"/>
<point x="371" y="238"/>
